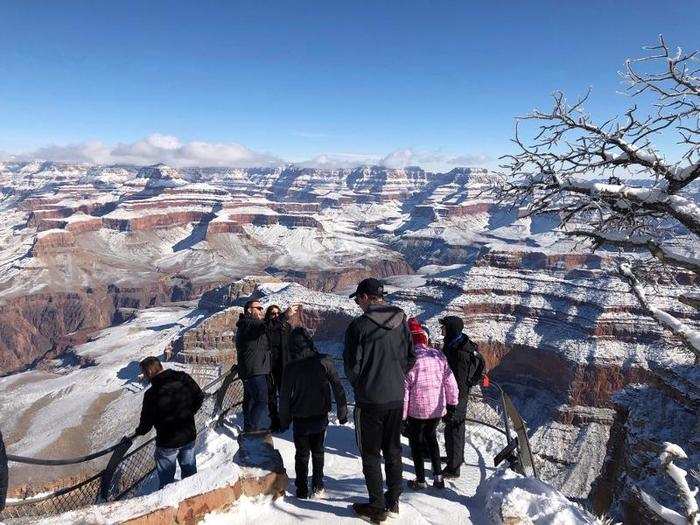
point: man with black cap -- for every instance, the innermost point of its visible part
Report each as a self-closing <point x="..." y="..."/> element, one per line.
<point x="467" y="365"/>
<point x="377" y="355"/>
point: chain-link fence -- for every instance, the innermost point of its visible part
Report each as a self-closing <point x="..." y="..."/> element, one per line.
<point x="125" y="472"/>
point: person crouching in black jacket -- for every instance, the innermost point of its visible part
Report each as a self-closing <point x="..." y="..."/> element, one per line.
<point x="170" y="405"/>
<point x="305" y="400"/>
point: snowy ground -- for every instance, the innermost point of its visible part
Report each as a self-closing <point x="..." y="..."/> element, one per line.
<point x="345" y="484"/>
<point x="70" y="410"/>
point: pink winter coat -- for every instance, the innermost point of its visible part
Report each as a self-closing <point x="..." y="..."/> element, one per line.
<point x="430" y="385"/>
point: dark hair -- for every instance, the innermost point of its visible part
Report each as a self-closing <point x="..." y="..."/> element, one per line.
<point x="248" y="304"/>
<point x="268" y="312"/>
<point x="151" y="365"/>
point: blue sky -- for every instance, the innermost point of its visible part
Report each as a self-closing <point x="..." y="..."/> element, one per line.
<point x="294" y="80"/>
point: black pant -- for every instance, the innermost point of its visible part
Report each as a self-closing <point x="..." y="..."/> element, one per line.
<point x="454" y="438"/>
<point x="422" y="437"/>
<point x="272" y="400"/>
<point x="309" y="444"/>
<point x="378" y="431"/>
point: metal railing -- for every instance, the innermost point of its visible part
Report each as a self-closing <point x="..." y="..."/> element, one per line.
<point x="493" y="408"/>
<point x="125" y="472"/>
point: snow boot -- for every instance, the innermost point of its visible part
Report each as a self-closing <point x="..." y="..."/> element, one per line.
<point x="393" y="510"/>
<point x="318" y="492"/>
<point x="438" y="482"/>
<point x="450" y="473"/>
<point x="369" y="513"/>
<point x="302" y="493"/>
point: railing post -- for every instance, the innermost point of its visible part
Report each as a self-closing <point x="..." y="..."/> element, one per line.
<point x="4" y="473"/>
<point x="221" y="392"/>
<point x="108" y="472"/>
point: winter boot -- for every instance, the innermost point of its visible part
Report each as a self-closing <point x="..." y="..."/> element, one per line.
<point x="369" y="513"/>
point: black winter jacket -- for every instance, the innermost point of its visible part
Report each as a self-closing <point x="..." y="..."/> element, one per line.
<point x="170" y="405"/>
<point x="253" y="347"/>
<point x="278" y="333"/>
<point x="306" y="388"/>
<point x="378" y="353"/>
<point x="466" y="363"/>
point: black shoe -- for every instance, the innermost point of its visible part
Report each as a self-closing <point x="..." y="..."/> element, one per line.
<point x="414" y="484"/>
<point x="393" y="510"/>
<point x="303" y="493"/>
<point x="369" y="513"/>
<point x="439" y="484"/>
<point x="450" y="473"/>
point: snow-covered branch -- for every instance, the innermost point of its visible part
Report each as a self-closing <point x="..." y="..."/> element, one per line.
<point x="609" y="175"/>
<point x="687" y="495"/>
<point x="690" y="337"/>
<point x="662" y="253"/>
<point x="652" y="199"/>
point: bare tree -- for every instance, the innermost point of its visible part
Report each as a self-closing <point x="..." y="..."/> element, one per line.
<point x="608" y="181"/>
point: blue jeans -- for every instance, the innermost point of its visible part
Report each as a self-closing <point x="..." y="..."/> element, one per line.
<point x="165" y="463"/>
<point x="255" y="408"/>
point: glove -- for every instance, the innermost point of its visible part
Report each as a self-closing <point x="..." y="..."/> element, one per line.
<point x="450" y="415"/>
<point x="342" y="414"/>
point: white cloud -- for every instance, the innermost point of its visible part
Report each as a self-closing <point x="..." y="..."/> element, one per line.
<point x="431" y="160"/>
<point x="339" y="160"/>
<point x="172" y="151"/>
<point x="153" y="149"/>
<point x="428" y="160"/>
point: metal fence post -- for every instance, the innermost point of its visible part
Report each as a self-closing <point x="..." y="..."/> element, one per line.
<point x="108" y="472"/>
<point x="4" y="473"/>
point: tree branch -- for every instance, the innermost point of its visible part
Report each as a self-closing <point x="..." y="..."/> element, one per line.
<point x="690" y="337"/>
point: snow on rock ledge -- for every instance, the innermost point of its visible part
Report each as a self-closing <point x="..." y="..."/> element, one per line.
<point x="256" y="470"/>
<point x="512" y="499"/>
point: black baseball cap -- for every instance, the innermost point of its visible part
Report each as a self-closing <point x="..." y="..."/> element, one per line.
<point x="370" y="286"/>
<point x="452" y="323"/>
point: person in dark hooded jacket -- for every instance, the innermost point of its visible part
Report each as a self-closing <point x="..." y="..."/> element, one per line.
<point x="467" y="365"/>
<point x="377" y="356"/>
<point x="305" y="400"/>
<point x="170" y="405"/>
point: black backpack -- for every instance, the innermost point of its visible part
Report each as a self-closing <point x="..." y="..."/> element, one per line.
<point x="476" y="363"/>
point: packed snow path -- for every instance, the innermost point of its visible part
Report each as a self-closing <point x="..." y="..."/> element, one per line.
<point x="345" y="484"/>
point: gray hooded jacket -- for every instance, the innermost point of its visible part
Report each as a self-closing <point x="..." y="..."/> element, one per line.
<point x="377" y="355"/>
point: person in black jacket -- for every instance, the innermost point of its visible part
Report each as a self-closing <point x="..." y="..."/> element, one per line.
<point x="305" y="400"/>
<point x="253" y="349"/>
<point x="377" y="355"/>
<point x="278" y="334"/>
<point x="467" y="365"/>
<point x="170" y="405"/>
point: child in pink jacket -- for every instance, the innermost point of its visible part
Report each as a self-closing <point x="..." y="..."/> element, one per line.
<point x="430" y="387"/>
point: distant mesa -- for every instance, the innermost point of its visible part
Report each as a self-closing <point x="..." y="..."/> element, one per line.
<point x="161" y="176"/>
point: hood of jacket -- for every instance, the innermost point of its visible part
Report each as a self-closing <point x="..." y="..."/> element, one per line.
<point x="302" y="345"/>
<point x="163" y="377"/>
<point x="385" y="316"/>
<point x="453" y="326"/>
